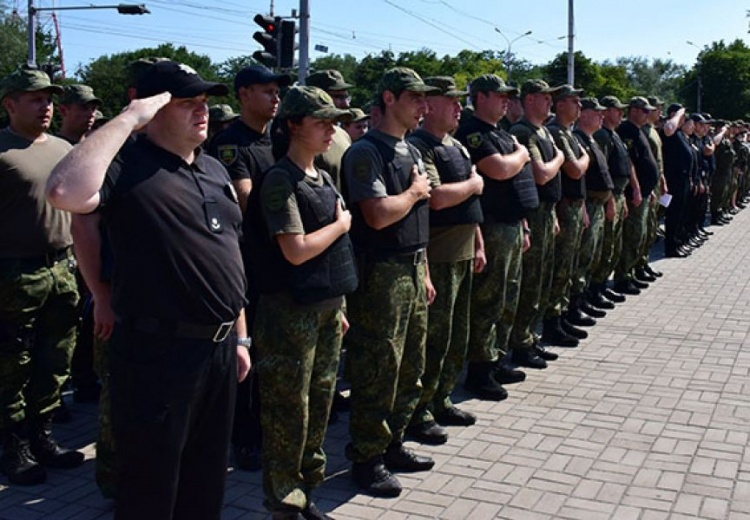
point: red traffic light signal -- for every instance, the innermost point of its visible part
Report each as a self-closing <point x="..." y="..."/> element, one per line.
<point x="268" y="38"/>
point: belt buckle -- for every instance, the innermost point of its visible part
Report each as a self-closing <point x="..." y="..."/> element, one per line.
<point x="223" y="331"/>
<point x="418" y="257"/>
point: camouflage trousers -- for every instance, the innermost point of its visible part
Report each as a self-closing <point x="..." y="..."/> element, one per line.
<point x="633" y="239"/>
<point x="591" y="245"/>
<point x="567" y="246"/>
<point x="106" y="455"/>
<point x="447" y="337"/>
<point x="38" y="317"/>
<point x="495" y="292"/>
<point x="611" y="243"/>
<point x="720" y="191"/>
<point x="536" y="277"/>
<point x="385" y="355"/>
<point x="652" y="225"/>
<point x="298" y="356"/>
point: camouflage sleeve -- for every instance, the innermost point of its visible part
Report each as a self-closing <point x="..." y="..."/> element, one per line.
<point x="529" y="139"/>
<point x="562" y="142"/>
<point x="279" y="205"/>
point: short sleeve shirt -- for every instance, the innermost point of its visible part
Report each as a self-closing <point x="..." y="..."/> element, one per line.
<point x="244" y="152"/>
<point x="174" y="228"/>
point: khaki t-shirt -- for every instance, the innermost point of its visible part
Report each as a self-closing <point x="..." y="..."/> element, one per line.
<point x="331" y="160"/>
<point x="29" y="226"/>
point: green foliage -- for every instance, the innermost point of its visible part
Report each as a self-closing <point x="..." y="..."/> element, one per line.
<point x="14" y="47"/>
<point x="109" y="79"/>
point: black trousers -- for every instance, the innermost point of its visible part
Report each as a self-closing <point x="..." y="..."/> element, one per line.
<point x="172" y="408"/>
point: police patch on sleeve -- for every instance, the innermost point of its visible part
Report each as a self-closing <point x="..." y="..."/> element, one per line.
<point x="228" y="154"/>
<point x="474" y="140"/>
<point x="274" y="197"/>
<point x="362" y="170"/>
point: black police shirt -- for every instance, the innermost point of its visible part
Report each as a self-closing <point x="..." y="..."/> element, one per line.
<point x="646" y="167"/>
<point x="174" y="229"/>
<point x="244" y="152"/>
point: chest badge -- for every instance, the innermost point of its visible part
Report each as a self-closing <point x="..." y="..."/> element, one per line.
<point x="227" y="154"/>
<point x="474" y="140"/>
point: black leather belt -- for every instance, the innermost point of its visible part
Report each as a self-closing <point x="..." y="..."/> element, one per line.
<point x="180" y="329"/>
<point x="415" y="258"/>
<point x="48" y="260"/>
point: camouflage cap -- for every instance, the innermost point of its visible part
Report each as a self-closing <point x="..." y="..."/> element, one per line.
<point x="358" y="115"/>
<point x="27" y="80"/>
<point x="491" y="83"/>
<point x="327" y="80"/>
<point x="399" y="79"/>
<point x="221" y="114"/>
<point x="655" y="101"/>
<point x="612" y="102"/>
<point x="537" y="86"/>
<point x="566" y="91"/>
<point x="640" y="102"/>
<point x="311" y="101"/>
<point x="78" y="95"/>
<point x="591" y="103"/>
<point x="446" y="84"/>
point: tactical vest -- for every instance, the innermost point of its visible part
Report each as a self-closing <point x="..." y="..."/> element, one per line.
<point x="409" y="234"/>
<point x="332" y="273"/>
<point x="597" y="175"/>
<point x="572" y="188"/>
<point x="454" y="166"/>
<point x="552" y="191"/>
<point x="618" y="162"/>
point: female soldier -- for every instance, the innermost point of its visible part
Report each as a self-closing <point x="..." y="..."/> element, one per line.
<point x="299" y="326"/>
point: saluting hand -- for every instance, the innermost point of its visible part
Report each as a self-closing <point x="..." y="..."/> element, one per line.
<point x="344" y="216"/>
<point x="420" y="186"/>
<point x="144" y="110"/>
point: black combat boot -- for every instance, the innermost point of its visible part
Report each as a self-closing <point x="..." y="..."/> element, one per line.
<point x="553" y="334"/>
<point x="528" y="357"/>
<point x="612" y="295"/>
<point x="17" y="462"/>
<point x="480" y="382"/>
<point x="594" y="297"/>
<point x="45" y="448"/>
<point x="400" y="458"/>
<point x="576" y="316"/>
<point x="572" y="330"/>
<point x="589" y="309"/>
<point x="373" y="478"/>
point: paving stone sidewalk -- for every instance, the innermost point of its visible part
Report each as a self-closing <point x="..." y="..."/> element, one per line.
<point x="648" y="419"/>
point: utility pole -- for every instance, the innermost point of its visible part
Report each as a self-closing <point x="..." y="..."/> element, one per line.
<point x="304" y="40"/>
<point x="31" y="62"/>
<point x="700" y="75"/>
<point x="571" y="45"/>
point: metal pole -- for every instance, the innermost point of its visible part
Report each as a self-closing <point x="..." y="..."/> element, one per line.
<point x="571" y="46"/>
<point x="31" y="27"/>
<point x="700" y="83"/>
<point x="304" y="40"/>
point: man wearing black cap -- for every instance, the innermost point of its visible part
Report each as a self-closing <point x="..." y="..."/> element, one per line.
<point x="333" y="83"/>
<point x="647" y="174"/>
<point x="705" y="146"/>
<point x="245" y="150"/>
<point x="38" y="293"/>
<point x="509" y="193"/>
<point x="178" y="291"/>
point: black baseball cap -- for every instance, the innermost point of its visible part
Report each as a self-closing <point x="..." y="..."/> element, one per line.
<point x="180" y="80"/>
<point x="259" y="75"/>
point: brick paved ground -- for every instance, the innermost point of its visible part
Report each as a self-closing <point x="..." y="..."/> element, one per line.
<point x="648" y="419"/>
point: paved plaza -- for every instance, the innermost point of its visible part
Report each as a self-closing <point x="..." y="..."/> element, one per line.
<point x="648" y="419"/>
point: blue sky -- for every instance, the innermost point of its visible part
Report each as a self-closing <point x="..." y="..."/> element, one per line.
<point x="222" y="29"/>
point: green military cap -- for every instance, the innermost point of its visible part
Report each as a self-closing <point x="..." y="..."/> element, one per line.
<point x="78" y="95"/>
<point x="27" y="80"/>
<point x="537" y="86"/>
<point x="311" y="101"/>
<point x="591" y="103"/>
<point x="655" y="101"/>
<point x="491" y="83"/>
<point x="221" y="114"/>
<point x="399" y="79"/>
<point x="640" y="102"/>
<point x="446" y="84"/>
<point x="358" y="115"/>
<point x="564" y="91"/>
<point x="328" y="80"/>
<point x="612" y="102"/>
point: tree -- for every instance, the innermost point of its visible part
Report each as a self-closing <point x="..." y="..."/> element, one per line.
<point x="14" y="49"/>
<point x="657" y="77"/>
<point x="108" y="75"/>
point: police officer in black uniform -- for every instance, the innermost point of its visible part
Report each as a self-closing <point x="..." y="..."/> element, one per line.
<point x="178" y="291"/>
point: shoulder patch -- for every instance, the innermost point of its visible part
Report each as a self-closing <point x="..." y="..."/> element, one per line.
<point x="474" y="140"/>
<point x="628" y="143"/>
<point x="274" y="197"/>
<point x="227" y="154"/>
<point x="362" y="170"/>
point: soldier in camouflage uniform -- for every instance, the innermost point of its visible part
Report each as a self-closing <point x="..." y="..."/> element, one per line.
<point x="388" y="189"/>
<point x="571" y="216"/>
<point x="454" y="218"/>
<point x="725" y="156"/>
<point x="38" y="293"/>
<point x="509" y="192"/>
<point x="299" y="348"/>
<point x="538" y="261"/>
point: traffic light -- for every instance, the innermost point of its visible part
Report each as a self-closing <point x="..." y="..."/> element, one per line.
<point x="287" y="44"/>
<point x="268" y="38"/>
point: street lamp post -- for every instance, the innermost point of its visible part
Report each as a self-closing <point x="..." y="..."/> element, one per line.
<point x="121" y="8"/>
<point x="700" y="76"/>
<point x="508" y="55"/>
